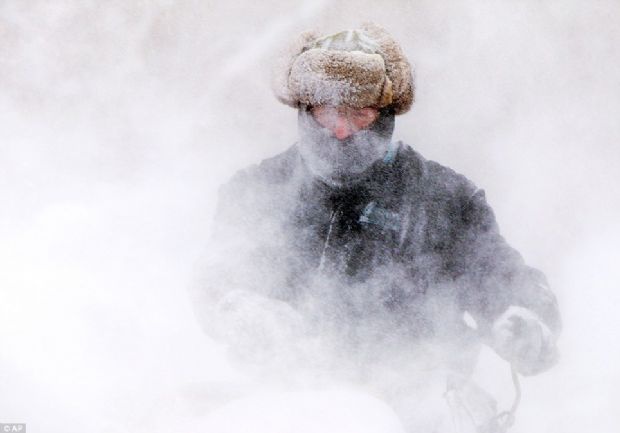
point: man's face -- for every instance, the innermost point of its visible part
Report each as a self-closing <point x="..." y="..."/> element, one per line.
<point x="338" y="143"/>
<point x="344" y="121"/>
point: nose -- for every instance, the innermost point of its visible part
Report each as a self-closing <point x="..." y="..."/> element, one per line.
<point x="342" y="128"/>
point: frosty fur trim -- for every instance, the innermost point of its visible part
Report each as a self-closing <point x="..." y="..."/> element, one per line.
<point x="353" y="78"/>
<point x="316" y="71"/>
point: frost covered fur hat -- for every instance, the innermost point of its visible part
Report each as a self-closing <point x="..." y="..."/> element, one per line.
<point x="360" y="68"/>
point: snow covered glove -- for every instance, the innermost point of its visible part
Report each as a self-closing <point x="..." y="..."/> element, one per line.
<point x="521" y="338"/>
<point x="257" y="327"/>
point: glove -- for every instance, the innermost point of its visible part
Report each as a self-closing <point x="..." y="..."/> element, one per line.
<point x="520" y="337"/>
<point x="257" y="327"/>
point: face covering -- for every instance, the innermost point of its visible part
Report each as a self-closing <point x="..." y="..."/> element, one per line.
<point x="337" y="162"/>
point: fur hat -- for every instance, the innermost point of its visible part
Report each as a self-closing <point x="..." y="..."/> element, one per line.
<point x="359" y="68"/>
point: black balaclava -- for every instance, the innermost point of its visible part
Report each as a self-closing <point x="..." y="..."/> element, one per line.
<point x="341" y="163"/>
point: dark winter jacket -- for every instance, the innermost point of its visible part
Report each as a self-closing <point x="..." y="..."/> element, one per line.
<point x="405" y="252"/>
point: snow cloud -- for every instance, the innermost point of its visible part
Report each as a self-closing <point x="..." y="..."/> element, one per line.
<point x="119" y="121"/>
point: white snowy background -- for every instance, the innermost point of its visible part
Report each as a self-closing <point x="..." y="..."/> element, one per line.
<point x="120" y="119"/>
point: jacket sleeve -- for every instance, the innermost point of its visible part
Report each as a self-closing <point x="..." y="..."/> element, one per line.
<point x="233" y="284"/>
<point x="493" y="275"/>
<point x="237" y="257"/>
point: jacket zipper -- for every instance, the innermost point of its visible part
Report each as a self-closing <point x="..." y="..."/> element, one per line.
<point x="332" y="219"/>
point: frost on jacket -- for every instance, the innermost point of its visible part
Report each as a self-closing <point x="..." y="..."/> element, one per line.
<point x="395" y="260"/>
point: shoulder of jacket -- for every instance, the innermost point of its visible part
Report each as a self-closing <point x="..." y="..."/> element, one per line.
<point x="434" y="176"/>
<point x="271" y="171"/>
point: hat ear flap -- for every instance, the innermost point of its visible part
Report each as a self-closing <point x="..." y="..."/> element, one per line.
<point x="397" y="67"/>
<point x="283" y="64"/>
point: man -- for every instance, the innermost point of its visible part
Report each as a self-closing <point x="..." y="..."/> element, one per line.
<point x="354" y="245"/>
